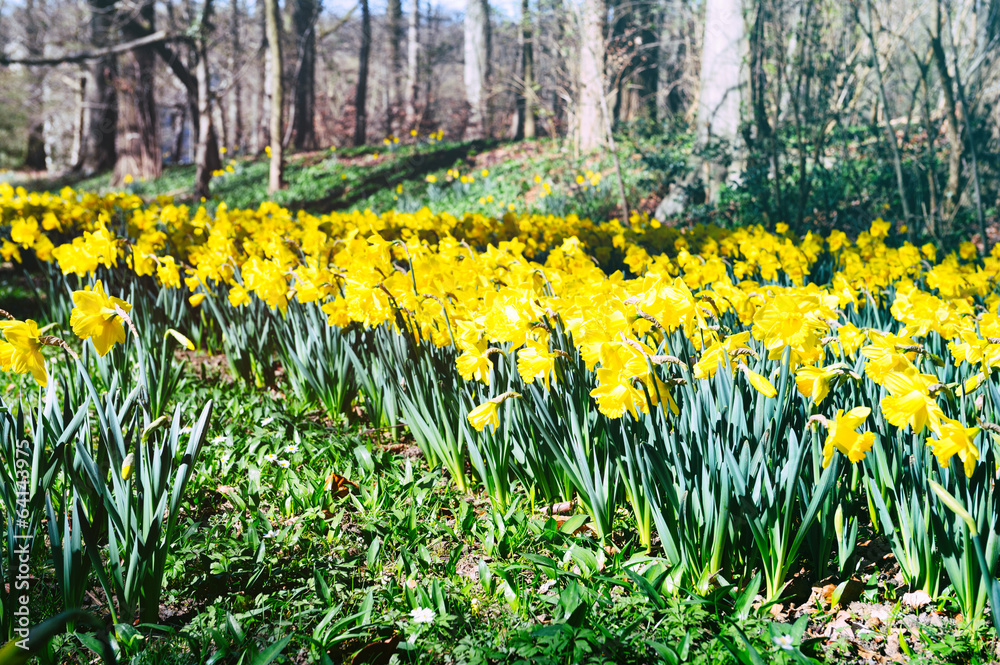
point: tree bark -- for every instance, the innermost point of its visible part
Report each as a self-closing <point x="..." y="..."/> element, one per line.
<point x="80" y="129"/>
<point x="412" y="91"/>
<point x="236" y="89"/>
<point x="952" y="186"/>
<point x="394" y="27"/>
<point x="526" y="100"/>
<point x="276" y="173"/>
<point x="719" y="96"/>
<point x="207" y="143"/>
<point x="477" y="66"/>
<point x="34" y="157"/>
<point x="99" y="151"/>
<point x="361" y="95"/>
<point x="138" y="148"/>
<point x="304" y="18"/>
<point x="897" y="161"/>
<point x="590" y="128"/>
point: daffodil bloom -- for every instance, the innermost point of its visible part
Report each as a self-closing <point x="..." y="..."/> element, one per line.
<point x="952" y="438"/>
<point x="94" y="317"/>
<point x="843" y="436"/>
<point x="534" y="361"/>
<point x="23" y="351"/>
<point x="487" y="413"/>
<point x="474" y="363"/>
<point x="814" y="382"/>
<point x="910" y="402"/>
<point x="483" y="415"/>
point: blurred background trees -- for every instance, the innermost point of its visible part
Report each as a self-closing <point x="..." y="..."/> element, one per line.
<point x="791" y="110"/>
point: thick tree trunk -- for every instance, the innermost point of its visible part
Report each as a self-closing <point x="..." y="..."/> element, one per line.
<point x="303" y="125"/>
<point x="719" y="96"/>
<point x="526" y="100"/>
<point x="590" y="125"/>
<point x="412" y="91"/>
<point x="34" y="157"/>
<point x="99" y="150"/>
<point x="139" y="153"/>
<point x="477" y="66"/>
<point x="394" y="28"/>
<point x="361" y="95"/>
<point x="276" y="179"/>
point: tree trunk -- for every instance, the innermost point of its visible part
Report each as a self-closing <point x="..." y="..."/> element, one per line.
<point x="477" y="66"/>
<point x="262" y="109"/>
<point x="526" y="100"/>
<point x="394" y="27"/>
<point x="897" y="161"/>
<point x="139" y="153"/>
<point x="99" y="151"/>
<point x="206" y="132"/>
<point x="236" y="89"/>
<point x="412" y="91"/>
<point x="304" y="127"/>
<point x="590" y="126"/>
<point x="276" y="174"/>
<point x="180" y="121"/>
<point x="719" y="96"/>
<point x="955" y="149"/>
<point x="361" y="96"/>
<point x="80" y="129"/>
<point x="34" y="157"/>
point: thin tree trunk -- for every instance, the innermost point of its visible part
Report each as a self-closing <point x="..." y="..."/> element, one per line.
<point x="361" y="96"/>
<point x="526" y="100"/>
<point x="952" y="185"/>
<point x="236" y="89"/>
<point x="394" y="27"/>
<point x="412" y="64"/>
<point x="477" y="55"/>
<point x="897" y="161"/>
<point x="967" y="114"/>
<point x="592" y="84"/>
<point x="276" y="173"/>
<point x="79" y="131"/>
<point x="181" y="122"/>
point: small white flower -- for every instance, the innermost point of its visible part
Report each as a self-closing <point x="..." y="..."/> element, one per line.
<point x="271" y="533"/>
<point x="224" y="459"/>
<point x="422" y="615"/>
<point x="267" y="421"/>
<point x="283" y="463"/>
<point x="219" y="439"/>
<point x="292" y="448"/>
<point x="270" y="457"/>
<point x="783" y="642"/>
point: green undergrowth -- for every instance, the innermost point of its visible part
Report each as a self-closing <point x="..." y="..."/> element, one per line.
<point x="279" y="561"/>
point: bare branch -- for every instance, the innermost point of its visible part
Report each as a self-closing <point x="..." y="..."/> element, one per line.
<point x="159" y="37"/>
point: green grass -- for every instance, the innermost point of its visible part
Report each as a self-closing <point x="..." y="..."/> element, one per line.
<point x="396" y="177"/>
